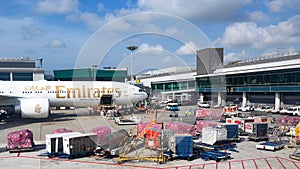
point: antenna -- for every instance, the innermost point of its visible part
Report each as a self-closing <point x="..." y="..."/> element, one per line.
<point x="41" y="62"/>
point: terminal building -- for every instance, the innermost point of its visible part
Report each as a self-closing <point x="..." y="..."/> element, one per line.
<point x="272" y="80"/>
<point x="20" y="69"/>
<point x="177" y="83"/>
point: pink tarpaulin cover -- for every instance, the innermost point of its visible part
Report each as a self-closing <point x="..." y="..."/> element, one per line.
<point x="211" y="114"/>
<point x="200" y="124"/>
<point x="61" y="130"/>
<point x="181" y="128"/>
<point x="20" y="139"/>
<point x="101" y="131"/>
<point x="288" y="120"/>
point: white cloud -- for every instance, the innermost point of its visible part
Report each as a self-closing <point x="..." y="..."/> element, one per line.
<point x="151" y="49"/>
<point x="235" y="56"/>
<point x="248" y="34"/>
<point x="56" y="6"/>
<point x="56" y="43"/>
<point x="29" y="32"/>
<point x="189" y="48"/>
<point x="200" y="10"/>
<point x="91" y="20"/>
<point x="281" y="5"/>
<point x="73" y="17"/>
<point x="258" y="16"/>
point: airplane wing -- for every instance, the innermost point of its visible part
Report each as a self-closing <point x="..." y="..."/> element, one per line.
<point x="8" y="97"/>
<point x="8" y="100"/>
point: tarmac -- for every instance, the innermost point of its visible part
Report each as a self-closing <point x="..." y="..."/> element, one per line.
<point x="82" y="120"/>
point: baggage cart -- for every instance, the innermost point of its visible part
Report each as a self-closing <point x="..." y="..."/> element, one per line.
<point x="273" y="146"/>
<point x="19" y="141"/>
<point x="215" y="155"/>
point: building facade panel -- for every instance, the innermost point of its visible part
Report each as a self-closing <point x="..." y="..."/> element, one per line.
<point x="20" y="69"/>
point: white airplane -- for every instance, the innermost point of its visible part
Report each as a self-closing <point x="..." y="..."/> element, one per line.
<point x="33" y="99"/>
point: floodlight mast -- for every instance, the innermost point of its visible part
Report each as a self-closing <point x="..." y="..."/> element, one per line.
<point x="131" y="48"/>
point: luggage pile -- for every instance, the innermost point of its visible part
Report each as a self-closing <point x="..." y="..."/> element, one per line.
<point x="288" y="120"/>
<point x="20" y="141"/>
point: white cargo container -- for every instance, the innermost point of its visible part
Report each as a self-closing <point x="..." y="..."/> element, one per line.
<point x="210" y="135"/>
<point x="79" y="145"/>
<point x="54" y="142"/>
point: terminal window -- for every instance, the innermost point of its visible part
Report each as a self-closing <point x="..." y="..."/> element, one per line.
<point x="5" y="76"/>
<point x="22" y="76"/>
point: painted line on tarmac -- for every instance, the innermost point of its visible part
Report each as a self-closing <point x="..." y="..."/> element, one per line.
<point x="82" y="161"/>
<point x="280" y="160"/>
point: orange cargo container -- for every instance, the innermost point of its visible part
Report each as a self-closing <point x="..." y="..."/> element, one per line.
<point x="152" y="139"/>
<point x="155" y="140"/>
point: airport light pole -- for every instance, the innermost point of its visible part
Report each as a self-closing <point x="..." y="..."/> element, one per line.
<point x="94" y="71"/>
<point x="131" y="48"/>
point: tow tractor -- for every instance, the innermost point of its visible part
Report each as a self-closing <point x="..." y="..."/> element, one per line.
<point x="296" y="154"/>
<point x="132" y="120"/>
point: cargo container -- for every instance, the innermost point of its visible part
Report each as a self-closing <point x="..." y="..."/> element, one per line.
<point x="54" y="143"/>
<point x="181" y="146"/>
<point x="257" y="130"/>
<point x="232" y="131"/>
<point x="110" y="144"/>
<point x="210" y="135"/>
<point x="154" y="139"/>
<point x="241" y="122"/>
<point x="79" y="145"/>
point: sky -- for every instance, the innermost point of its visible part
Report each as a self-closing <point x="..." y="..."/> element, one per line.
<point x="71" y="34"/>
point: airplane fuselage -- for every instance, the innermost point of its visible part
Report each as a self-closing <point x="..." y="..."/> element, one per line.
<point x="71" y="93"/>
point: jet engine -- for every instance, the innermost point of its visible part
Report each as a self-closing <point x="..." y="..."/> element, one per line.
<point x="34" y="108"/>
